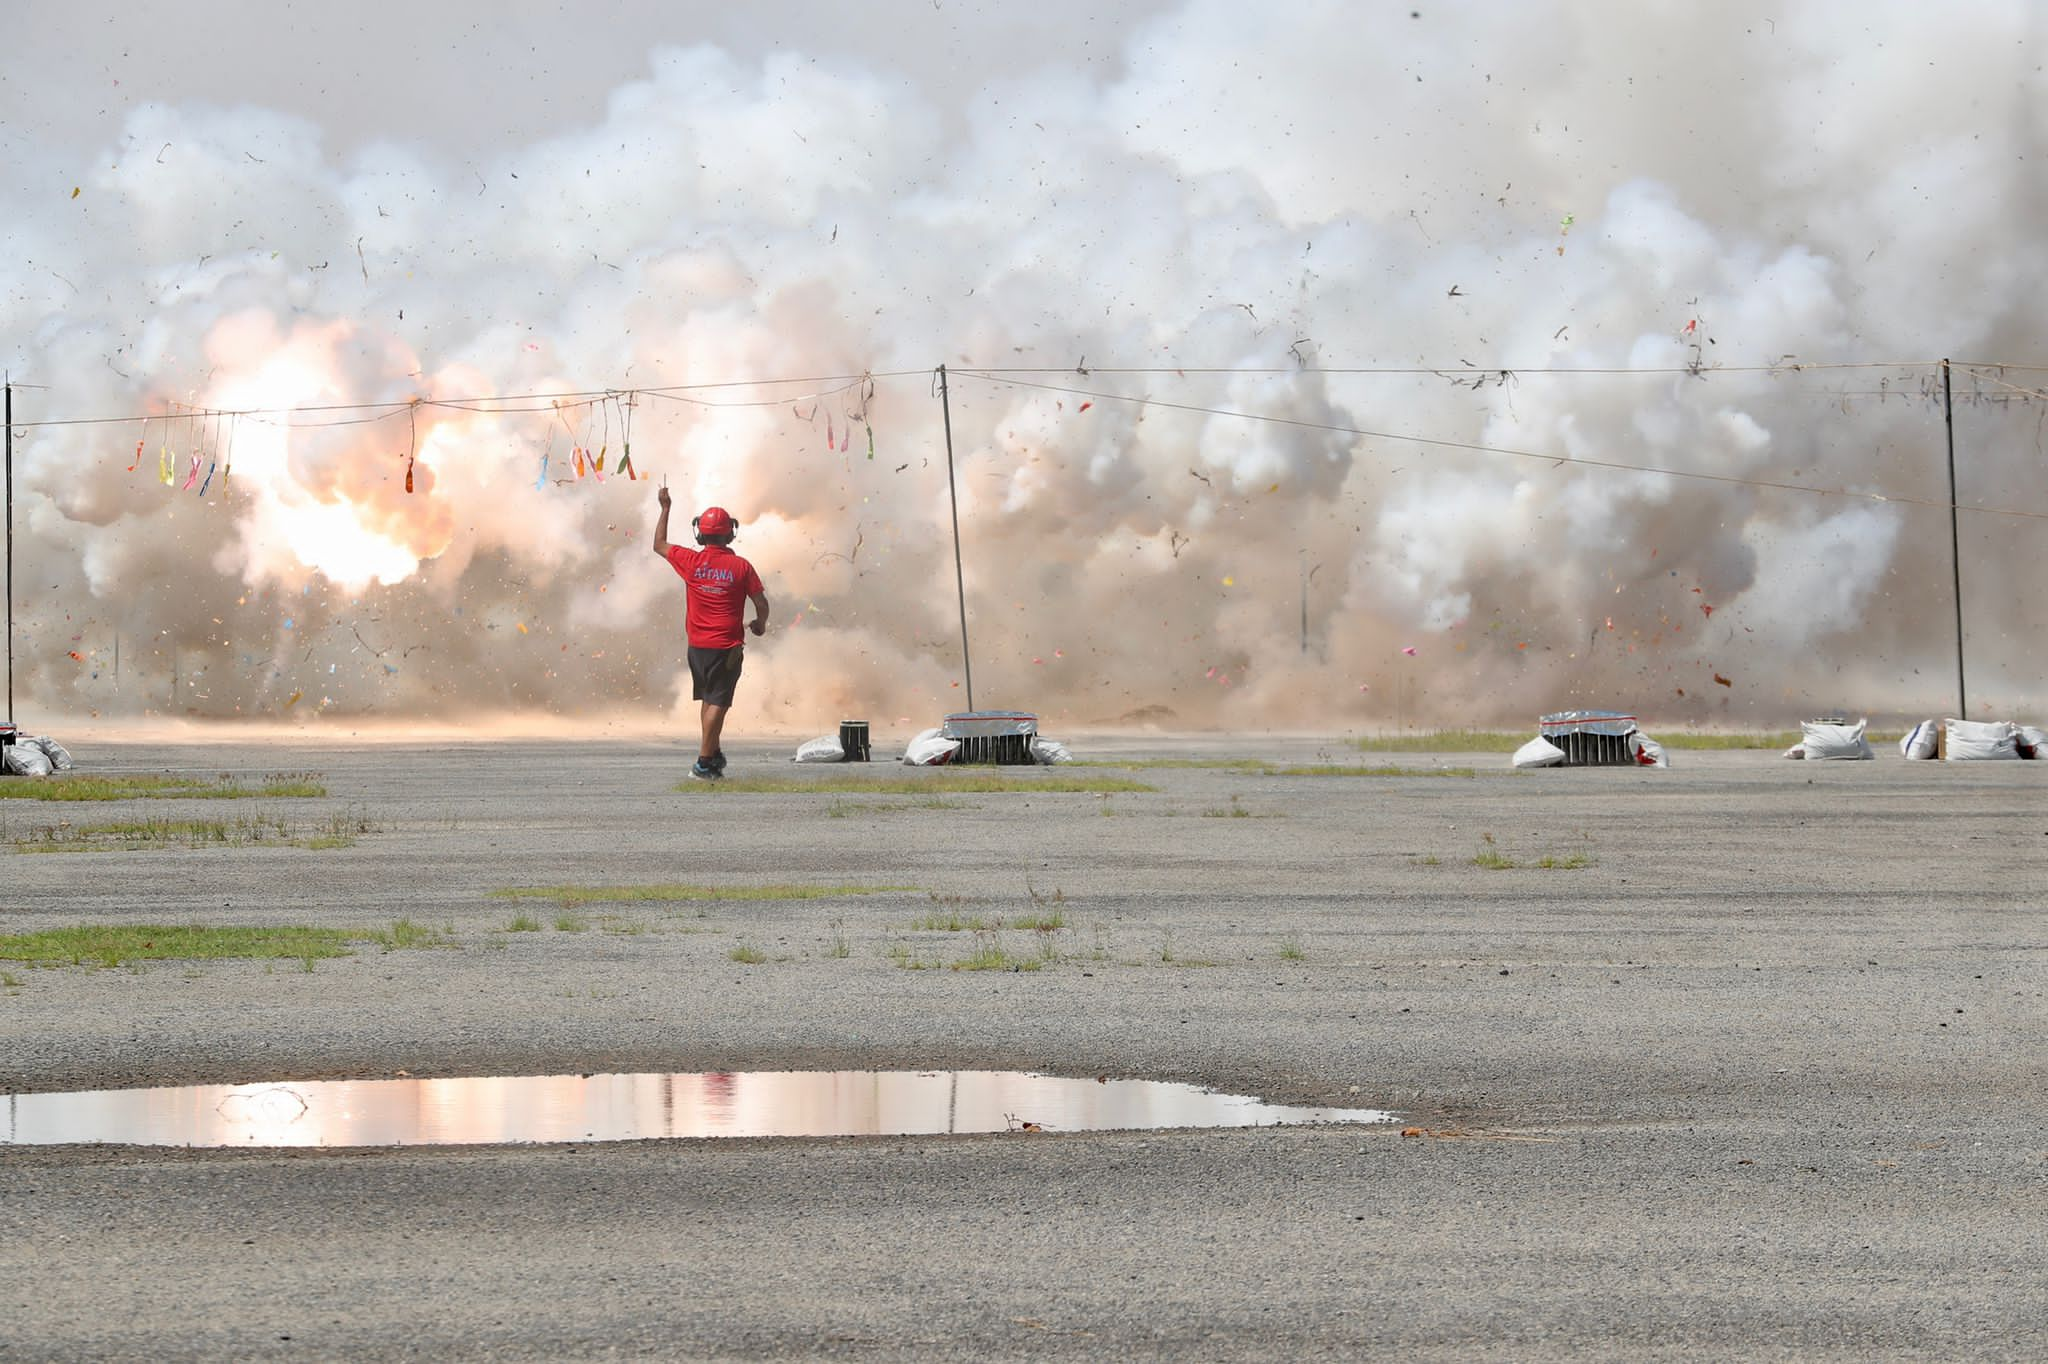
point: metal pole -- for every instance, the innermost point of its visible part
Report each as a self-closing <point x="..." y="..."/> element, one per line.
<point x="959" y="579"/>
<point x="1955" y="542"/>
<point x="1304" y="601"/>
<point x="10" y="549"/>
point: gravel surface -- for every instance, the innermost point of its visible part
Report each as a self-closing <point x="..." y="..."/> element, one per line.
<point x="1763" y="1078"/>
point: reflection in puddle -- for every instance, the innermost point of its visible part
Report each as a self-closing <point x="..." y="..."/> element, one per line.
<point x="527" y="1108"/>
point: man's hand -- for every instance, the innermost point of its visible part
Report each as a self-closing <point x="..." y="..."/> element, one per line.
<point x="758" y="626"/>
<point x="661" y="496"/>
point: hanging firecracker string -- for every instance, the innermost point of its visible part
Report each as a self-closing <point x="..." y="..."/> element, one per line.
<point x="626" y="459"/>
<point x="413" y="445"/>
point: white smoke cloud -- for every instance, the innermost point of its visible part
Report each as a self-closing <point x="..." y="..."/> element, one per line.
<point x="1558" y="186"/>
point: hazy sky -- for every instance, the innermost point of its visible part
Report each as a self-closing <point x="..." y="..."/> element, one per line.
<point x="1749" y="231"/>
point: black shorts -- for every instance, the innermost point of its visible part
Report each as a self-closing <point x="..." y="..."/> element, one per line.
<point x="714" y="673"/>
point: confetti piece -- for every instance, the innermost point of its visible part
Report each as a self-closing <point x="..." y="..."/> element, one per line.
<point x="1707" y="609"/>
<point x="138" y="456"/>
<point x="1681" y="691"/>
<point x="1722" y="681"/>
<point x="293" y="699"/>
<point x="1230" y="582"/>
<point x="533" y="345"/>
<point x="522" y="627"/>
<point x="1059" y="653"/>
<point x="1409" y="650"/>
<point x="1365" y="686"/>
<point x="76" y="656"/>
<point x="1085" y="406"/>
<point x="1610" y="622"/>
<point x="74" y="191"/>
<point x="1274" y="489"/>
<point x="1038" y="661"/>
<point x="1210" y="673"/>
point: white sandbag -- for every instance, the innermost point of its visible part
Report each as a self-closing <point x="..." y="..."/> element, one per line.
<point x="1796" y="752"/>
<point x="825" y="749"/>
<point x="60" y="759"/>
<point x="1050" y="751"/>
<point x="1918" y="743"/>
<point x="1648" y="752"/>
<point x="1835" y="742"/>
<point x="1538" y="752"/>
<point x="2033" y="742"/>
<point x="23" y="759"/>
<point x="930" y="749"/>
<point x="1981" y="741"/>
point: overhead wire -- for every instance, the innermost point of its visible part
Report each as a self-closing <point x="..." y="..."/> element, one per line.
<point x="1550" y="458"/>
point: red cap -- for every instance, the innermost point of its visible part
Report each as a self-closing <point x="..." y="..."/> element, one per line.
<point x="715" y="521"/>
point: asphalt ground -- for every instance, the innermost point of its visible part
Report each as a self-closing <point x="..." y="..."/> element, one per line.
<point x="1755" y="1068"/>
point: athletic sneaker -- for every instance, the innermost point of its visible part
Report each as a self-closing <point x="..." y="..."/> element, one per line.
<point x="703" y="771"/>
<point x="718" y="762"/>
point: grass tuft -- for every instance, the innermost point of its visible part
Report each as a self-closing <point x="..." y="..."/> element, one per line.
<point x="115" y="944"/>
<point x="523" y="923"/>
<point x="75" y="786"/>
<point x="748" y="955"/>
<point x="677" y="892"/>
<point x="925" y="783"/>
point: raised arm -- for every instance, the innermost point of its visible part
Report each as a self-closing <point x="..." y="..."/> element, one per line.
<point x="661" y="525"/>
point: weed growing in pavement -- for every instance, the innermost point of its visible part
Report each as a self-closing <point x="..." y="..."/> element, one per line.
<point x="74" y="786"/>
<point x="938" y="922"/>
<point x="569" y="923"/>
<point x="926" y="782"/>
<point x="748" y="955"/>
<point x="404" y="933"/>
<point x="1290" y="950"/>
<point x="989" y="955"/>
<point x="1040" y="923"/>
<point x="523" y="923"/>
<point x="673" y="892"/>
<point x="123" y="944"/>
<point x="1442" y="741"/>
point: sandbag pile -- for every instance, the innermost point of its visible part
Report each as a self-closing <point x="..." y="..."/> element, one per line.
<point x="31" y="756"/>
<point x="1832" y="739"/>
<point x="1973" y="741"/>
<point x="1590" y="738"/>
<point x="931" y="748"/>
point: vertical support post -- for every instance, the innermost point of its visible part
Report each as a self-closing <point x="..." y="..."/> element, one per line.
<point x="9" y="418"/>
<point x="1955" y="541"/>
<point x="959" y="578"/>
<point x="1304" y="601"/>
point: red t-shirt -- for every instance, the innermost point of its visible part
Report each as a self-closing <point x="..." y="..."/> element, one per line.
<point x="719" y="581"/>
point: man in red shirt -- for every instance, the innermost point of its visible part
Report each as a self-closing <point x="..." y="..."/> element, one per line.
<point x="716" y="579"/>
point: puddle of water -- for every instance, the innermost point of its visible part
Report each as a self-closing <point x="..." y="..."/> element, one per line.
<point x="538" y="1108"/>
